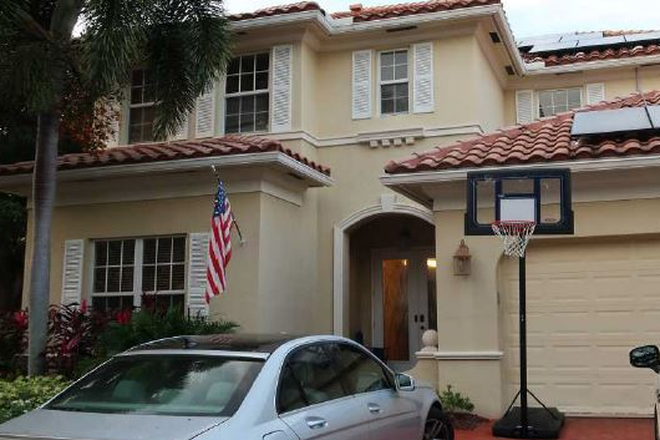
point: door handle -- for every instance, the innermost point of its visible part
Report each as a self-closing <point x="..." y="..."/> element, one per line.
<point x="374" y="409"/>
<point x="316" y="422"/>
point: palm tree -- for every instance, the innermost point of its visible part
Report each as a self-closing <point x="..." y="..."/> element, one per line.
<point x="185" y="44"/>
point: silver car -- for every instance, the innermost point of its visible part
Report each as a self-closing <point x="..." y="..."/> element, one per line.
<point x="240" y="387"/>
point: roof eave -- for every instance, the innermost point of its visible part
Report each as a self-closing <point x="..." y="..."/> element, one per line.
<point x="275" y="159"/>
<point x="594" y="65"/>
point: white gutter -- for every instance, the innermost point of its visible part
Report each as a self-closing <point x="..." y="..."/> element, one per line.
<point x="578" y="166"/>
<point x="272" y="159"/>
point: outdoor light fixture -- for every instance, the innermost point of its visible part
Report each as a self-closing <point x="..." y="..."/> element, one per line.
<point x="462" y="260"/>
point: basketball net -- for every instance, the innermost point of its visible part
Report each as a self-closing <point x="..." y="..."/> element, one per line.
<point x="515" y="236"/>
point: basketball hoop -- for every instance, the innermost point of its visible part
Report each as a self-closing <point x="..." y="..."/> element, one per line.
<point x="515" y="236"/>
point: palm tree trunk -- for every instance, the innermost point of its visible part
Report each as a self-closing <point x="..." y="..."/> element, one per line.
<point x="43" y="200"/>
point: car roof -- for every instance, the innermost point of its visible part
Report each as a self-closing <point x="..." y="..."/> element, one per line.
<point x="236" y="343"/>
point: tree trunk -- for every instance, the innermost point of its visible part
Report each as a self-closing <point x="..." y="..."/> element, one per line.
<point x="43" y="199"/>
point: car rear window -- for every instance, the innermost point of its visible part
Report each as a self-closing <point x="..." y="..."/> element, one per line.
<point x="163" y="385"/>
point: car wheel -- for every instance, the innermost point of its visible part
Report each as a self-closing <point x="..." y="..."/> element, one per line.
<point x="438" y="426"/>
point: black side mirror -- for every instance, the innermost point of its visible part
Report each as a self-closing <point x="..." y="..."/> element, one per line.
<point x="647" y="356"/>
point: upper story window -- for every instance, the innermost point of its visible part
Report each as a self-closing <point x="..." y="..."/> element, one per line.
<point x="394" y="82"/>
<point x="125" y="270"/>
<point x="552" y="102"/>
<point x="247" y="94"/>
<point x="141" y="116"/>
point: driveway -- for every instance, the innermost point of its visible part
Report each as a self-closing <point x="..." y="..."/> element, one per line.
<point x="584" y="429"/>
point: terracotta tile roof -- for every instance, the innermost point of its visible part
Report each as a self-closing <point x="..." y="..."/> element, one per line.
<point x="277" y="10"/>
<point x="166" y="151"/>
<point x="399" y="10"/>
<point x="547" y="140"/>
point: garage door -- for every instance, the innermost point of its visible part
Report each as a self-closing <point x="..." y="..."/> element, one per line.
<point x="588" y="304"/>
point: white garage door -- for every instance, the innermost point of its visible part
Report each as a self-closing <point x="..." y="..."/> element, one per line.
<point x="589" y="303"/>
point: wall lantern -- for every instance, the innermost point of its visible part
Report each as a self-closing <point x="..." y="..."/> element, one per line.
<point x="462" y="260"/>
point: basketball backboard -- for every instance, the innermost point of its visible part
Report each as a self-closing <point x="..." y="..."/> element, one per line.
<point x="540" y="196"/>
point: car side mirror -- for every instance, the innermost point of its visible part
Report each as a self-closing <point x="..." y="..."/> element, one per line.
<point x="647" y="356"/>
<point x="404" y="382"/>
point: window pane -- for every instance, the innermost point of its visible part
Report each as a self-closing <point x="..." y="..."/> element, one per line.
<point x="247" y="123"/>
<point x="361" y="373"/>
<point x="387" y="106"/>
<point x="263" y="61"/>
<point x="231" y="124"/>
<point x="247" y="104"/>
<point x="401" y="105"/>
<point x="163" y="277"/>
<point x="99" y="280"/>
<point x="401" y="90"/>
<point x="401" y="57"/>
<point x="164" y="250"/>
<point x="136" y="95"/>
<point x="262" y="81"/>
<point x="137" y="77"/>
<point x="114" y="255"/>
<point x="574" y="98"/>
<point x="127" y="279"/>
<point x="261" y="122"/>
<point x="401" y="72"/>
<point x="247" y="64"/>
<point x="233" y="106"/>
<point x="232" y="84"/>
<point x="262" y="102"/>
<point x="149" y="278"/>
<point x="179" y="254"/>
<point x="178" y="277"/>
<point x="289" y="395"/>
<point x="247" y="82"/>
<point x="149" y="251"/>
<point x="129" y="252"/>
<point x="113" y="279"/>
<point x="312" y="367"/>
<point x="233" y="66"/>
<point x="387" y="92"/>
<point x="387" y="59"/>
<point x="387" y="73"/>
<point x="101" y="251"/>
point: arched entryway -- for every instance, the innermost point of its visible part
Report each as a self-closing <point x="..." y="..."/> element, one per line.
<point x="387" y="286"/>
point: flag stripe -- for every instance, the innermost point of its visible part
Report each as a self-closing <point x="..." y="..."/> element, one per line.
<point x="219" y="245"/>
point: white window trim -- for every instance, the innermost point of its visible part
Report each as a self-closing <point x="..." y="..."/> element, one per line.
<point x="381" y="83"/>
<point x="537" y="99"/>
<point x="226" y="96"/>
<point x="137" y="272"/>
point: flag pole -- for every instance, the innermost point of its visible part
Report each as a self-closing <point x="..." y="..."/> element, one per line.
<point x="233" y="217"/>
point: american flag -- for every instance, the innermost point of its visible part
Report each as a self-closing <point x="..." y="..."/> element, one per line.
<point x="219" y="245"/>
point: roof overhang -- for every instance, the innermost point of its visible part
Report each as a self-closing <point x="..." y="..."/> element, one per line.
<point x="275" y="160"/>
<point x="641" y="61"/>
<point x="415" y="185"/>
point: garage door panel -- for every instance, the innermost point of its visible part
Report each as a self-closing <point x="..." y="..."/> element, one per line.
<point x="588" y="305"/>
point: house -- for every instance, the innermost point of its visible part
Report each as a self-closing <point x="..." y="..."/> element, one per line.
<point x="311" y="110"/>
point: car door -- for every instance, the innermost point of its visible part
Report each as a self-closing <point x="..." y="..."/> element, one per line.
<point x="313" y="401"/>
<point x="392" y="415"/>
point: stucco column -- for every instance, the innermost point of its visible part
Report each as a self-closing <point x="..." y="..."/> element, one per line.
<point x="469" y="354"/>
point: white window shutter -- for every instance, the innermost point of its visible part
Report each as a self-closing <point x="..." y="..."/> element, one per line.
<point x="281" y="100"/>
<point x="113" y="136"/>
<point x="423" y="93"/>
<point x="205" y="114"/>
<point x="525" y="106"/>
<point x="182" y="133"/>
<point x="72" y="272"/>
<point x="595" y="93"/>
<point x="362" y="84"/>
<point x="197" y="258"/>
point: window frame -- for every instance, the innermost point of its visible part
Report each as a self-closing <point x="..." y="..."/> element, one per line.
<point x="381" y="82"/>
<point x="268" y="91"/>
<point x="141" y="105"/>
<point x="537" y="99"/>
<point x="137" y="291"/>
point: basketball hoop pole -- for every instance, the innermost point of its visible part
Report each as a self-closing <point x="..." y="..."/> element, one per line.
<point x="522" y="319"/>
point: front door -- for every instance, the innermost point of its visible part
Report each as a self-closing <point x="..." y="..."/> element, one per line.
<point x="403" y="303"/>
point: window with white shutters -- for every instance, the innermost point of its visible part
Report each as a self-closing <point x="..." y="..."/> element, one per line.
<point x="394" y="82"/>
<point x="247" y="94"/>
<point x="552" y="102"/>
<point x="142" y="105"/>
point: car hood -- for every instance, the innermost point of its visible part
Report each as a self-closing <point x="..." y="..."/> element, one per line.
<point x="51" y="424"/>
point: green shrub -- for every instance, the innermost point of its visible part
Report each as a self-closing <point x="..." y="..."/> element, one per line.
<point x="454" y="402"/>
<point x="26" y="393"/>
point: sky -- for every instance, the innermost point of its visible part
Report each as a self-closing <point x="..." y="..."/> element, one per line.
<point x="528" y="17"/>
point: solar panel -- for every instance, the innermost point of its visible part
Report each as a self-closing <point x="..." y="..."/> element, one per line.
<point x="654" y="113"/>
<point x="582" y="36"/>
<point x="648" y="36"/>
<point x="552" y="47"/>
<point x="597" y="42"/>
<point x="610" y="121"/>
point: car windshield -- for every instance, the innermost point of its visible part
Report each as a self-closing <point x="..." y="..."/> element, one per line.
<point x="163" y="385"/>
